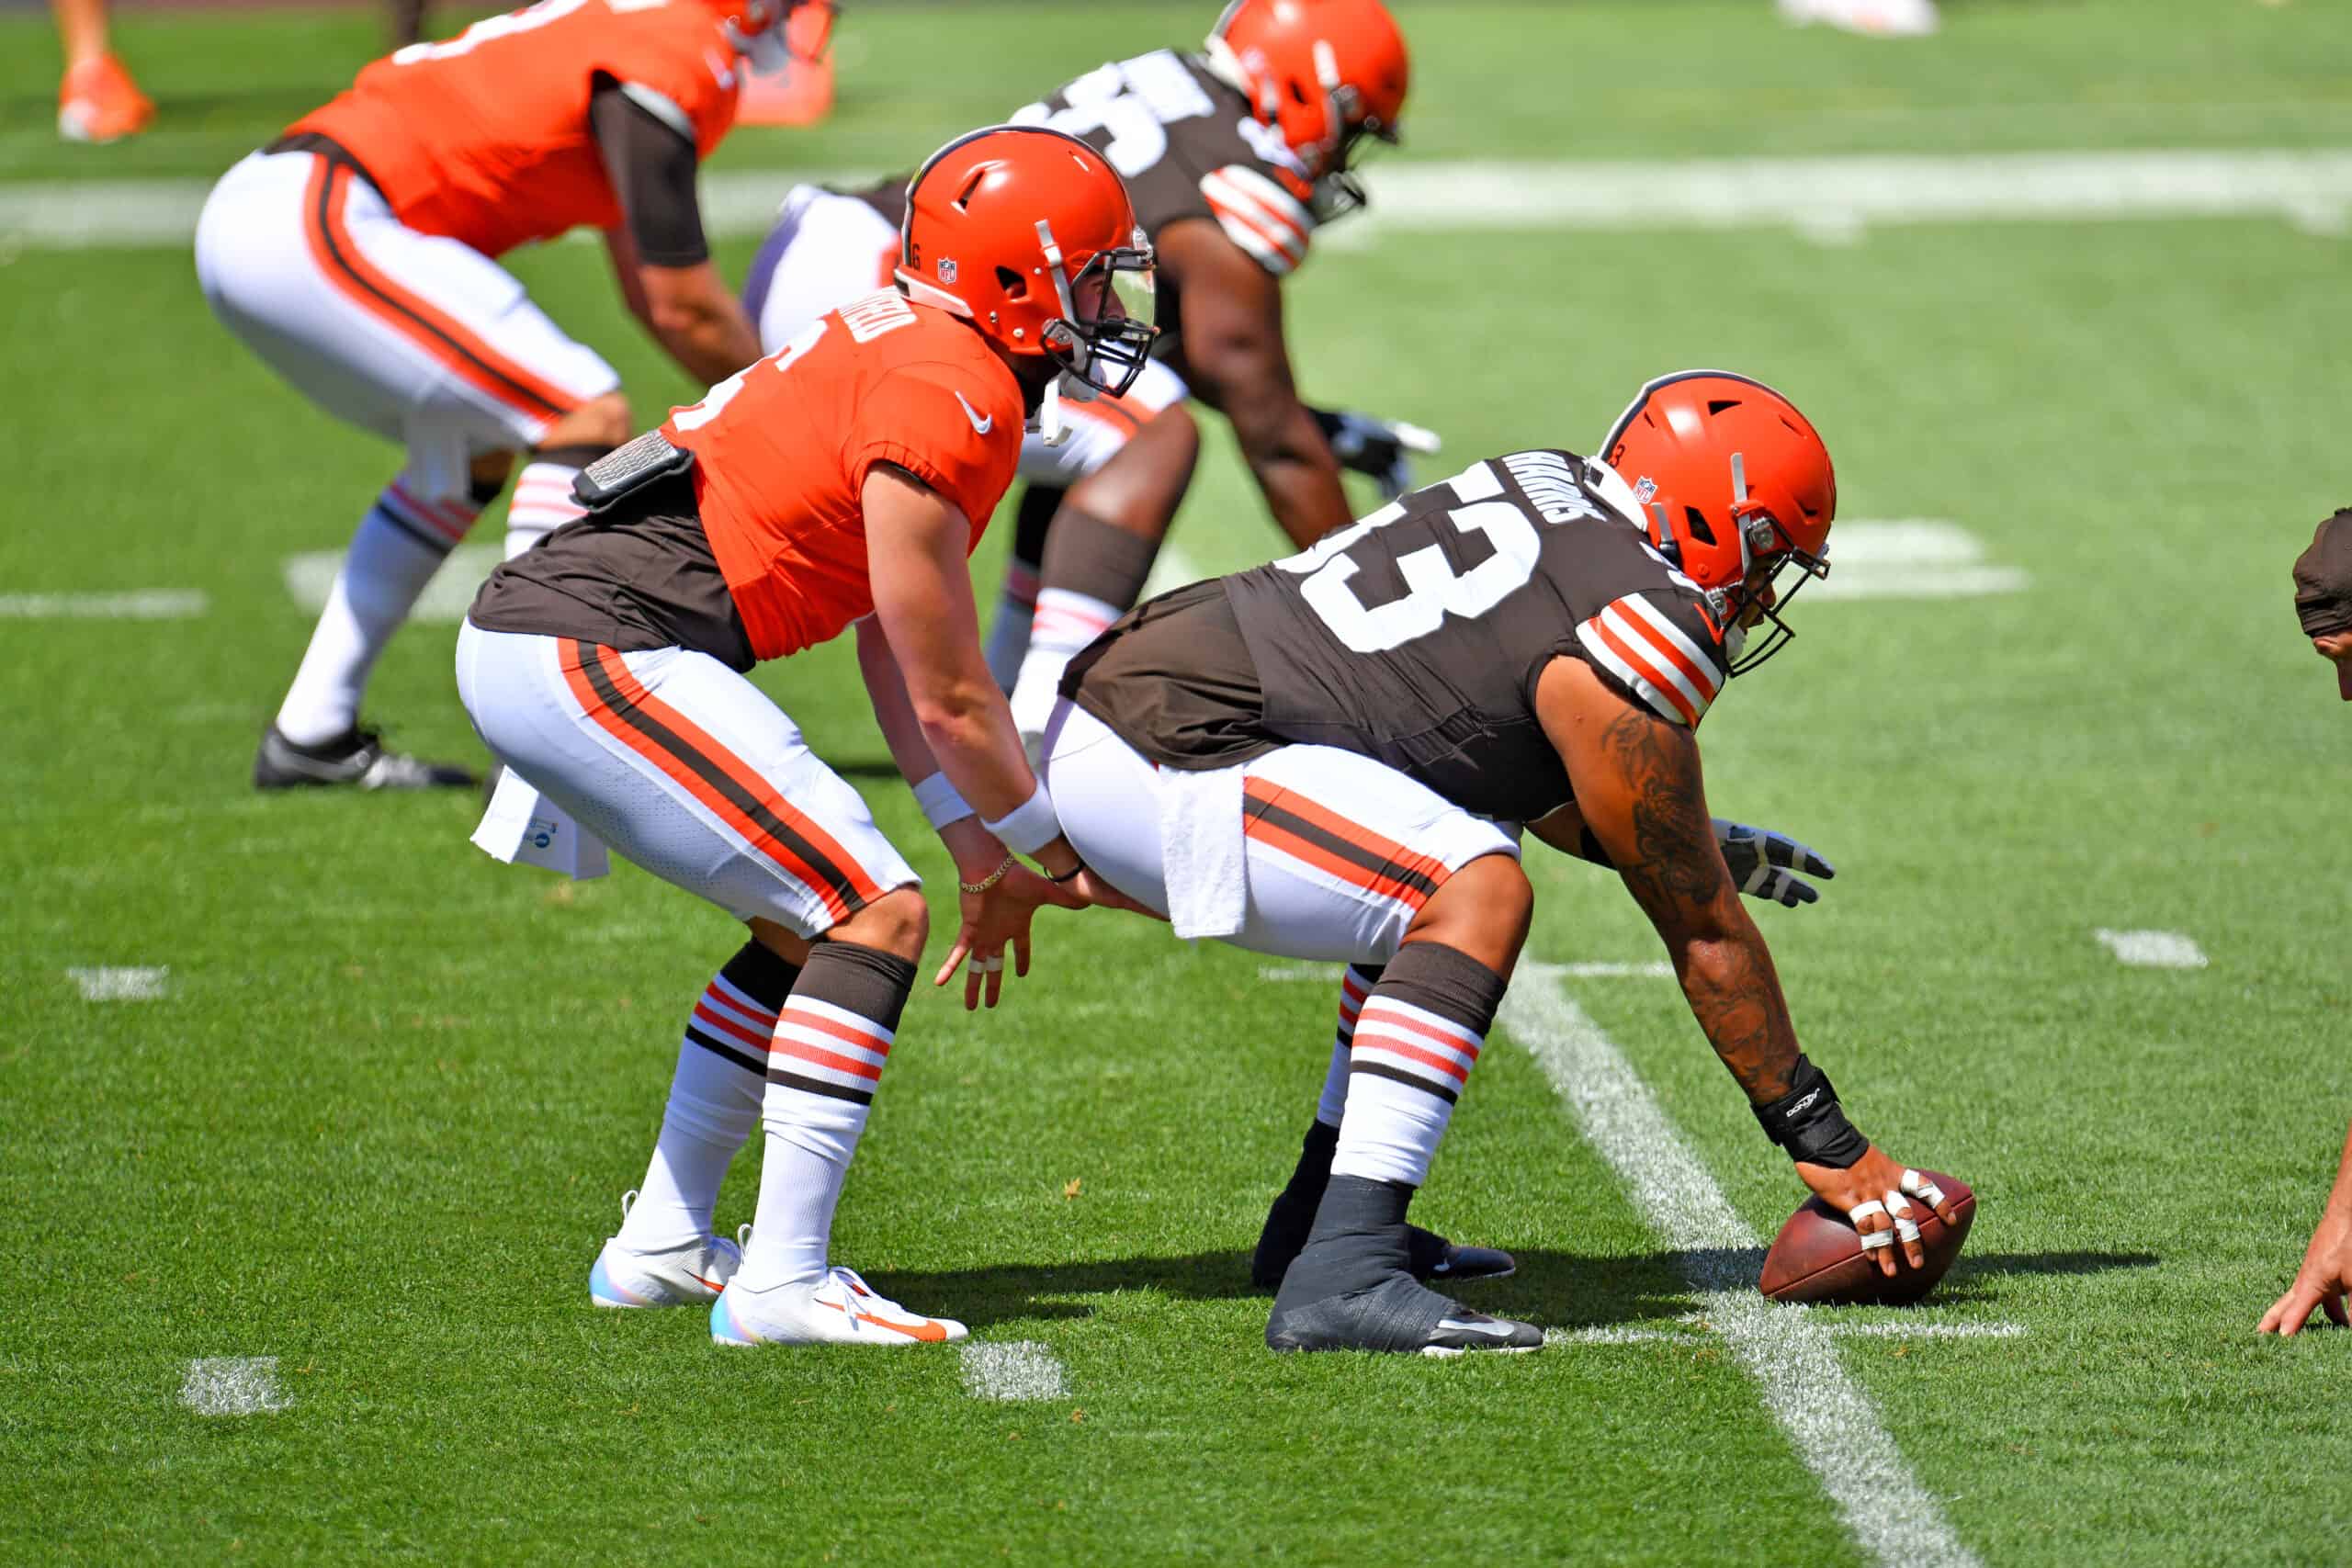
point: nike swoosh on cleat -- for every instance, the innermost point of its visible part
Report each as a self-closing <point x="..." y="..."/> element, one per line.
<point x="981" y="424"/>
<point x="1497" y="1330"/>
<point x="926" y="1331"/>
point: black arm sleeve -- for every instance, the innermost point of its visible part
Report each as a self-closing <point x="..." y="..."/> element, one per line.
<point x="651" y="165"/>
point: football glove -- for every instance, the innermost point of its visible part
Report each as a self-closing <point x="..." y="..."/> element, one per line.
<point x="1764" y="865"/>
<point x="1383" y="449"/>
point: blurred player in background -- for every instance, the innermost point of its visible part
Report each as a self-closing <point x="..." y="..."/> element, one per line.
<point x="356" y="256"/>
<point x="1886" y="19"/>
<point x="98" y="101"/>
<point x="1234" y="156"/>
<point x="846" y="479"/>
<point x="1327" y="757"/>
<point x="2324" y="605"/>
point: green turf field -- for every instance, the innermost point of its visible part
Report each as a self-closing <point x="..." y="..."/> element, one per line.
<point x="379" y="1118"/>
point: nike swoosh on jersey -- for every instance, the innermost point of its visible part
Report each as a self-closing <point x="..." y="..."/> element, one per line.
<point x="979" y="423"/>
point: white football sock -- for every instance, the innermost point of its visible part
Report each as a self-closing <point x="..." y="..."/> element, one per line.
<point x="714" y="1101"/>
<point x="1355" y="984"/>
<point x="394" y="553"/>
<point x="832" y="1040"/>
<point x="1066" y="622"/>
<point x="1417" y="1036"/>
<point x="542" y="504"/>
<point x="1009" y="630"/>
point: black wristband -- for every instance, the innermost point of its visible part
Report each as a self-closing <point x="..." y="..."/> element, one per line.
<point x="1070" y="875"/>
<point x="1809" y="1124"/>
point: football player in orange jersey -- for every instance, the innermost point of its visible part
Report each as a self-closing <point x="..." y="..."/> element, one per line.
<point x="356" y="256"/>
<point x="1233" y="155"/>
<point x="845" y="479"/>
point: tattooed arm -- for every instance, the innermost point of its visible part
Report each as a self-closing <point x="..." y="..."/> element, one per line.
<point x="1638" y="786"/>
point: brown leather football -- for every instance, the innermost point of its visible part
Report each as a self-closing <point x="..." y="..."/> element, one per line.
<point x="1818" y="1257"/>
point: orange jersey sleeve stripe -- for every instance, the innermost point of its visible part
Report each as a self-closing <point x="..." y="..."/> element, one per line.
<point x="448" y="342"/>
<point x="1639" y="660"/>
<point x="618" y="702"/>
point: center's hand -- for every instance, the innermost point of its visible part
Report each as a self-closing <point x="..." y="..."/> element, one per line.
<point x="1883" y="1199"/>
<point x="1764" y="865"/>
<point x="993" y="919"/>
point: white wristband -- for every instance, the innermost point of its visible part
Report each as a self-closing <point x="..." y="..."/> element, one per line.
<point x="941" y="805"/>
<point x="1030" y="826"/>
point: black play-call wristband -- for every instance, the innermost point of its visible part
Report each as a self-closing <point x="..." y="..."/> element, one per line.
<point x="1809" y="1124"/>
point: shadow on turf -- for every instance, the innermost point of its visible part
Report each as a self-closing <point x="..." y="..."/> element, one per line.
<point x="1559" y="1290"/>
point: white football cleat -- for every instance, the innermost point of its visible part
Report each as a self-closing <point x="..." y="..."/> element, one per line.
<point x="1887" y="18"/>
<point x="692" y="1275"/>
<point x="840" y="1309"/>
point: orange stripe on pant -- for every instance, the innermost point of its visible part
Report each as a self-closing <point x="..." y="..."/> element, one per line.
<point x="1324" y="858"/>
<point x="448" y="343"/>
<point x="843" y="866"/>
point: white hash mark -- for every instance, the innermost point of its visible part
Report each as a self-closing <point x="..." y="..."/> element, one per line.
<point x="309" y="578"/>
<point x="121" y="984"/>
<point x="147" y="604"/>
<point x="1832" y="1423"/>
<point x="2152" y="950"/>
<point x="1013" y="1369"/>
<point x="233" y="1385"/>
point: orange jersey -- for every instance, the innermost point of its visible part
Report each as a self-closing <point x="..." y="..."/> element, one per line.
<point x="485" y="137"/>
<point x="782" y="448"/>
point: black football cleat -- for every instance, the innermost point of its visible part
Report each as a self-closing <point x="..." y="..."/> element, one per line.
<point x="1398" y="1316"/>
<point x="1439" y="1262"/>
<point x="355" y="759"/>
<point x="1429" y="1255"/>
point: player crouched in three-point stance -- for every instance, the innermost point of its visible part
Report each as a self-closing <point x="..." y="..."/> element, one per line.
<point x="1336" y="747"/>
<point x="1234" y="156"/>
<point x="354" y="254"/>
<point x="845" y="478"/>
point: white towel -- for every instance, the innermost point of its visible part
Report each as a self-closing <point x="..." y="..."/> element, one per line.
<point x="524" y="825"/>
<point x="1201" y="850"/>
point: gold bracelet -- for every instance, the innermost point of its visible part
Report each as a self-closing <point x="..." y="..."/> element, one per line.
<point x="991" y="879"/>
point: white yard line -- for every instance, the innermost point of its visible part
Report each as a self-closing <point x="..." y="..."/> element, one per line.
<point x="1655" y="969"/>
<point x="1013" y="1369"/>
<point x="1613" y="1334"/>
<point x="1832" y="1423"/>
<point x="1832" y="199"/>
<point x="233" y="1385"/>
<point x="148" y="605"/>
<point x="2152" y="950"/>
<point x="121" y="984"/>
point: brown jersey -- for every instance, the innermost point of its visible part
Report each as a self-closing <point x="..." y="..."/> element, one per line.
<point x="1185" y="142"/>
<point x="1417" y="635"/>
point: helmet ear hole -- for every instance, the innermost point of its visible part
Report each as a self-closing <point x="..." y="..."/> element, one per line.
<point x="1016" y="287"/>
<point x="1696" y="521"/>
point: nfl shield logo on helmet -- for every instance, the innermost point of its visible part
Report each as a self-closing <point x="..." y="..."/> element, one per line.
<point x="1644" y="488"/>
<point x="947" y="269"/>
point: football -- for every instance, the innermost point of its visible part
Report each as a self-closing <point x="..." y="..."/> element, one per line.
<point x="1818" y="1257"/>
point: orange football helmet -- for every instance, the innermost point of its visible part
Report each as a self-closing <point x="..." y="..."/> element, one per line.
<point x="1029" y="234"/>
<point x="1735" y="486"/>
<point x="757" y="29"/>
<point x="1323" y="75"/>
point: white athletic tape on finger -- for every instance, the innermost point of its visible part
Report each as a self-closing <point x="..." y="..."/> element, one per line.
<point x="1897" y="1206"/>
<point x="992" y="965"/>
<point x="1873" y="1240"/>
<point x="1861" y="1211"/>
<point x="1907" y="1230"/>
<point x="1919" y="1186"/>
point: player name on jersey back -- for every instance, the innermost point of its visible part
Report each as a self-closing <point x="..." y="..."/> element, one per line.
<point x="1417" y="635"/>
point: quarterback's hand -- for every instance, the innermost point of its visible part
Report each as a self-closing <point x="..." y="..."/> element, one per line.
<point x="1883" y="1199"/>
<point x="2325" y="1281"/>
<point x="1383" y="449"/>
<point x="1764" y="865"/>
<point x="993" y="920"/>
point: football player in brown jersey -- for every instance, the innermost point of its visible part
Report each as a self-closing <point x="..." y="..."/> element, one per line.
<point x="1235" y="155"/>
<point x="1336" y="750"/>
<point x="2323" y="606"/>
